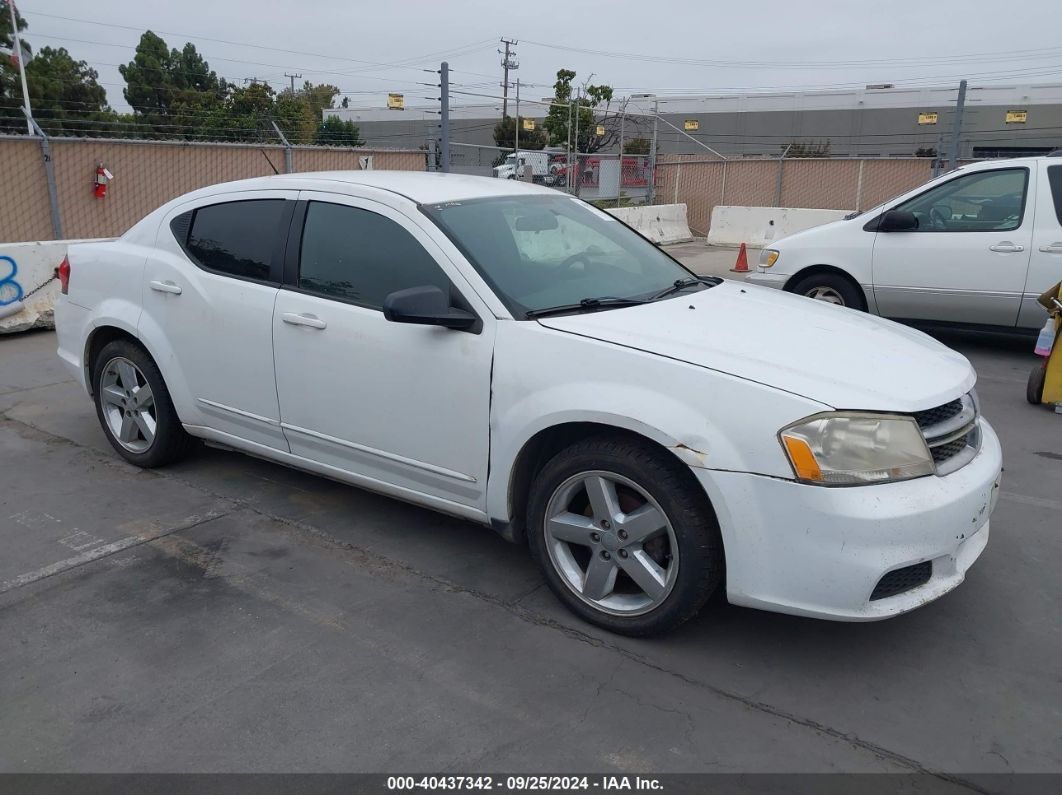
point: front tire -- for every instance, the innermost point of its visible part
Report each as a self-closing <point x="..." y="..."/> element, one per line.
<point x="134" y="407"/>
<point x="624" y="536"/>
<point x="831" y="288"/>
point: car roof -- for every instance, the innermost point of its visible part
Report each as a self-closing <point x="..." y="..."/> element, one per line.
<point x="422" y="187"/>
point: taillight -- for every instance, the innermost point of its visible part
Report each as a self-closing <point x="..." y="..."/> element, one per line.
<point x="63" y="274"/>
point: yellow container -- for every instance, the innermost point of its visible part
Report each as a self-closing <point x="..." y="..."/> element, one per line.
<point x="1045" y="381"/>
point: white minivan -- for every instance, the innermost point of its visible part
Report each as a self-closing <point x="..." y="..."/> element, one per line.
<point x="975" y="246"/>
<point x="516" y="357"/>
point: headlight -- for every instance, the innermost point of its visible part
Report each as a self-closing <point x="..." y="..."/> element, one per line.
<point x="768" y="257"/>
<point x="846" y="448"/>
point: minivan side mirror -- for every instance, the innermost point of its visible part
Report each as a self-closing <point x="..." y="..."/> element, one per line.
<point x="426" y="306"/>
<point x="898" y="221"/>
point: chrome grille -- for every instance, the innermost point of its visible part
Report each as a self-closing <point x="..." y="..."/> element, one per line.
<point x="951" y="432"/>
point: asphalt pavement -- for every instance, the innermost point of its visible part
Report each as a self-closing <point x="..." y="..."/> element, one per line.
<point x="228" y="614"/>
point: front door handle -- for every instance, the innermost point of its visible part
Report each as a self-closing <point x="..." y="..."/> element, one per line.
<point x="303" y="320"/>
<point x="1052" y="248"/>
<point x="1006" y="247"/>
<point x="165" y="287"/>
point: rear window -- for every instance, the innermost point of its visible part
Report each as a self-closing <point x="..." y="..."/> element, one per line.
<point x="237" y="238"/>
<point x="1054" y="176"/>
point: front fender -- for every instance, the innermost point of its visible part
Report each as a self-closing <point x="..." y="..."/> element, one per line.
<point x="710" y="420"/>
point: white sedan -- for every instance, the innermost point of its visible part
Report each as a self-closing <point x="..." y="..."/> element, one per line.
<point x="513" y="356"/>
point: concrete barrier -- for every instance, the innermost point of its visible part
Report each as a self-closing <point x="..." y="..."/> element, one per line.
<point x="760" y="226"/>
<point x="661" y="223"/>
<point x="27" y="284"/>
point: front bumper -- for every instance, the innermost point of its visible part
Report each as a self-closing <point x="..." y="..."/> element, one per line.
<point x="764" y="278"/>
<point x="819" y="551"/>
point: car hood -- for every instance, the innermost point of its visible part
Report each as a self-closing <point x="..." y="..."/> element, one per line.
<point x="836" y="356"/>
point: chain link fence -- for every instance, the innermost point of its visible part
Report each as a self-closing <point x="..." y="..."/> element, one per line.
<point x="146" y="175"/>
<point x="149" y="173"/>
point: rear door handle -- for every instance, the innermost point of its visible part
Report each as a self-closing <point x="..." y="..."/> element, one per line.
<point x="165" y="287"/>
<point x="1006" y="247"/>
<point x="1052" y="248"/>
<point x="303" y="320"/>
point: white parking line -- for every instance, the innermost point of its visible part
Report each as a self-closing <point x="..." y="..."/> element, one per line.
<point x="100" y="552"/>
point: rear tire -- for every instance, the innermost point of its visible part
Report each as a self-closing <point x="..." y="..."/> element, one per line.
<point x="831" y="288"/>
<point x="652" y="563"/>
<point x="1034" y="389"/>
<point x="134" y="407"/>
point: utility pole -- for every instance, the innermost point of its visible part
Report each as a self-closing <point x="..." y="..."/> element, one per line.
<point x="444" y="108"/>
<point x="956" y="130"/>
<point x="292" y="78"/>
<point x="21" y="67"/>
<point x="508" y="62"/>
<point x="518" y="172"/>
<point x="575" y="142"/>
<point x="652" y="151"/>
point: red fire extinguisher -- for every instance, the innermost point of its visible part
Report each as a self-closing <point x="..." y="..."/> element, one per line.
<point x="103" y="178"/>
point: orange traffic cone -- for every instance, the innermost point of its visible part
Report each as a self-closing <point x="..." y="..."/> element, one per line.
<point x="742" y="264"/>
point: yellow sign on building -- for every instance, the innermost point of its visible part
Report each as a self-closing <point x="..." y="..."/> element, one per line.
<point x="927" y="118"/>
<point x="691" y="125"/>
<point x="1017" y="116"/>
<point x="529" y="124"/>
<point x="396" y="102"/>
<point x="600" y="130"/>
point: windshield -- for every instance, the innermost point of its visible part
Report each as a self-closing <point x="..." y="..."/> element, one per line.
<point x="538" y="252"/>
<point x="510" y="160"/>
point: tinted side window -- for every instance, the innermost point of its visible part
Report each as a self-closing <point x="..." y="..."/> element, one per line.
<point x="237" y="238"/>
<point x="1054" y="176"/>
<point x="985" y="201"/>
<point x="360" y="256"/>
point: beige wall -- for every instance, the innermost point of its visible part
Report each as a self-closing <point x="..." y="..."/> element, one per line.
<point x="146" y="175"/>
<point x="828" y="184"/>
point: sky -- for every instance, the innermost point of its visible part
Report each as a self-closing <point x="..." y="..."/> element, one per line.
<point x="666" y="47"/>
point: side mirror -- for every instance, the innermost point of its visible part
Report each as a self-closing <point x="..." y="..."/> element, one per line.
<point x="898" y="221"/>
<point x="426" y="306"/>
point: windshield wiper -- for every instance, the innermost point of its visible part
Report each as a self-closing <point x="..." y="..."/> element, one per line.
<point x="585" y="305"/>
<point x="682" y="284"/>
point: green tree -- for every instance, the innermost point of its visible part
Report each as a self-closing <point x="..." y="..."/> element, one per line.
<point x="505" y="134"/>
<point x="65" y="95"/>
<point x="172" y="92"/>
<point x="588" y="111"/>
<point x="637" y="146"/>
<point x="334" y="131"/>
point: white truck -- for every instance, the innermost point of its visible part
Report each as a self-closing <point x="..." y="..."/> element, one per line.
<point x="538" y="160"/>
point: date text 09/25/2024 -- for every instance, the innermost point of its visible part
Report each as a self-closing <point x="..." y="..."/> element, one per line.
<point x="543" y="783"/>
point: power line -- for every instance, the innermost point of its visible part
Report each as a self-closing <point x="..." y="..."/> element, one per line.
<point x="143" y="29"/>
<point x="1044" y="52"/>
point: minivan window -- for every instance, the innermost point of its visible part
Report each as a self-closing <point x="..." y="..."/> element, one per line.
<point x="984" y="201"/>
<point x="360" y="256"/>
<point x="237" y="238"/>
<point x="1054" y="176"/>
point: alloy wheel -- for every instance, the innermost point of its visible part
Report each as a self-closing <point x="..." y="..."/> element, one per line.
<point x="827" y="294"/>
<point x="611" y="543"/>
<point x="128" y="405"/>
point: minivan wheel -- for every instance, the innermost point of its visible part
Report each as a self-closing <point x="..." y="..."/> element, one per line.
<point x="134" y="406"/>
<point x="624" y="536"/>
<point x="831" y="288"/>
